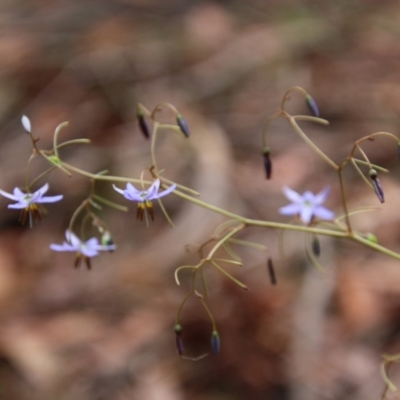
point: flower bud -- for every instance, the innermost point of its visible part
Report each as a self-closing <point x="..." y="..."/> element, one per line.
<point x="178" y="339"/>
<point x="142" y="123"/>
<point x="315" y="246"/>
<point x="26" y="123"/>
<point x="371" y="238"/>
<point x="106" y="240"/>
<point x="267" y="162"/>
<point x="183" y="125"/>
<point x="312" y="105"/>
<point x="215" y="343"/>
<point x="376" y="183"/>
<point x="271" y="271"/>
<point x="398" y="149"/>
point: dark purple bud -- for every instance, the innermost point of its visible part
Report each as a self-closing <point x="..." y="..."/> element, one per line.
<point x="315" y="246"/>
<point x="183" y="125"/>
<point x="178" y="339"/>
<point x="215" y="343"/>
<point x="267" y="162"/>
<point x="312" y="105"/>
<point x="271" y="271"/>
<point x="142" y="123"/>
<point x="376" y="183"/>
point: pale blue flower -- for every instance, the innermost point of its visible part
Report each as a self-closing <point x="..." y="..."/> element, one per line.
<point x="144" y="197"/>
<point x="29" y="203"/>
<point x="307" y="205"/>
<point x="85" y="250"/>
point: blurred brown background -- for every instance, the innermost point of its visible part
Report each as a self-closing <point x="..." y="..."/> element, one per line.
<point x="107" y="334"/>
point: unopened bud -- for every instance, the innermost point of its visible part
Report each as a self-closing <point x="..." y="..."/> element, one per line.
<point x="178" y="339"/>
<point x="215" y="343"/>
<point x="376" y="183"/>
<point x="371" y="238"/>
<point x="267" y="162"/>
<point x="183" y="125"/>
<point x="315" y="246"/>
<point x="107" y="240"/>
<point x="26" y="123"/>
<point x="271" y="271"/>
<point x="312" y="105"/>
<point x="142" y="123"/>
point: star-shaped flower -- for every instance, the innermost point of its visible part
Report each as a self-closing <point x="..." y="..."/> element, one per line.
<point x="307" y="205"/>
<point x="30" y="203"/>
<point x="144" y="197"/>
<point x="84" y="250"/>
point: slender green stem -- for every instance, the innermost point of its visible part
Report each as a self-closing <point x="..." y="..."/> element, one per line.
<point x="374" y="166"/>
<point x="55" y="137"/>
<point x="214" y="326"/>
<point x="360" y="173"/>
<point x="344" y="203"/>
<point x="296" y="127"/>
<point x="41" y="176"/>
<point x="228" y="275"/>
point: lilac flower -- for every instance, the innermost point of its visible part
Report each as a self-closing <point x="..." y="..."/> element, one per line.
<point x="144" y="197"/>
<point x="30" y="203"/>
<point x="84" y="250"/>
<point x="306" y="205"/>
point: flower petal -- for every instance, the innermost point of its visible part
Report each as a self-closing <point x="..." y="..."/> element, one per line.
<point x="323" y="213"/>
<point x="165" y="192"/>
<point x="62" y="247"/>
<point x="290" y="209"/>
<point x="322" y="196"/>
<point x="17" y="206"/>
<point x="117" y="189"/>
<point x="9" y="195"/>
<point x="42" y="190"/>
<point x="73" y="239"/>
<point x="152" y="190"/>
<point x="49" y="199"/>
<point x="306" y="214"/>
<point x="292" y="195"/>
<point x="18" y="193"/>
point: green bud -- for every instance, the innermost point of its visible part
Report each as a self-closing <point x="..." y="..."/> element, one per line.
<point x="371" y="238"/>
<point x="54" y="160"/>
